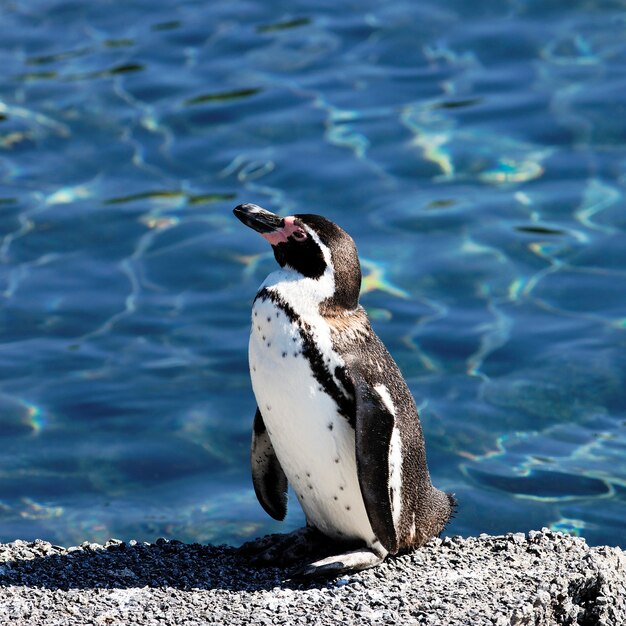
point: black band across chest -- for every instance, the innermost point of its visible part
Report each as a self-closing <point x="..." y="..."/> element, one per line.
<point x="318" y="363"/>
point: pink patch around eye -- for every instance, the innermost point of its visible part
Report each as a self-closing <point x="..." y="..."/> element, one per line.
<point x="280" y="236"/>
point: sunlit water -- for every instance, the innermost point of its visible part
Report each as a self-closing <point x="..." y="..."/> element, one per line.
<point x="475" y="151"/>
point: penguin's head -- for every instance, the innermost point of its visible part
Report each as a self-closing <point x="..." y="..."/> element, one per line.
<point x="312" y="246"/>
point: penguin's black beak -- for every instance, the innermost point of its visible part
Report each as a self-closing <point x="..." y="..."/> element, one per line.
<point x="259" y="219"/>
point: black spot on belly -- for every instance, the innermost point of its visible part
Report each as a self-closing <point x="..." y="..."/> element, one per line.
<point x="268" y="407"/>
<point x="331" y="426"/>
<point x="335" y="498"/>
<point x="340" y="488"/>
<point x="348" y="508"/>
<point x="269" y="343"/>
<point x="310" y="486"/>
<point x="308" y="475"/>
<point x="337" y="460"/>
<point x="284" y="354"/>
<point x="269" y="319"/>
<point x="263" y="336"/>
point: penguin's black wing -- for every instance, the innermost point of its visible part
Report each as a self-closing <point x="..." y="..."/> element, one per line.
<point x="268" y="477"/>
<point x="374" y="427"/>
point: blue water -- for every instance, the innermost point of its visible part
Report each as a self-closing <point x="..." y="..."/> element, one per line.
<point x="475" y="151"/>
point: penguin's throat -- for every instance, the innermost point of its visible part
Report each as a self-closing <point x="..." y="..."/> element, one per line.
<point x="304" y="295"/>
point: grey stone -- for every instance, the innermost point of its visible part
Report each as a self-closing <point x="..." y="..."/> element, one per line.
<point x="541" y="579"/>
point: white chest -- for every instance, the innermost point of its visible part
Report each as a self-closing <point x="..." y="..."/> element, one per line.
<point x="313" y="442"/>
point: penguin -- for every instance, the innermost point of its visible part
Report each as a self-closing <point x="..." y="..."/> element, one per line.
<point x="335" y="418"/>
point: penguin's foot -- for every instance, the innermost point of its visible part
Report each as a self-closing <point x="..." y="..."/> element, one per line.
<point x="353" y="561"/>
<point x="286" y="549"/>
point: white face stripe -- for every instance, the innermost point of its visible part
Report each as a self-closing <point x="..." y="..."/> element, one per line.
<point x="323" y="247"/>
<point x="326" y="254"/>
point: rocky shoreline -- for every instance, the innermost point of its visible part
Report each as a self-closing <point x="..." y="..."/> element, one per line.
<point x="541" y="578"/>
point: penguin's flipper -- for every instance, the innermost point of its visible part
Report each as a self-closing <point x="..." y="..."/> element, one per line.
<point x="268" y="477"/>
<point x="374" y="429"/>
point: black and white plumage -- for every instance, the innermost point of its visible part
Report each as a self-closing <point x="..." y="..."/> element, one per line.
<point x="335" y="418"/>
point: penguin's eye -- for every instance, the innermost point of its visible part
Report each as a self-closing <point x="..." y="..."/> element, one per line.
<point x="299" y="235"/>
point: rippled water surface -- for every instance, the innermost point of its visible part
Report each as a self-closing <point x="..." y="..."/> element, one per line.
<point x="475" y="151"/>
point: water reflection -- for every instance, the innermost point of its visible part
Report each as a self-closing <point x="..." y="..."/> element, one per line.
<point x="482" y="182"/>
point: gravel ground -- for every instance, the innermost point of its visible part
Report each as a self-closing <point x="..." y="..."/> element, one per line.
<point x="541" y="578"/>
